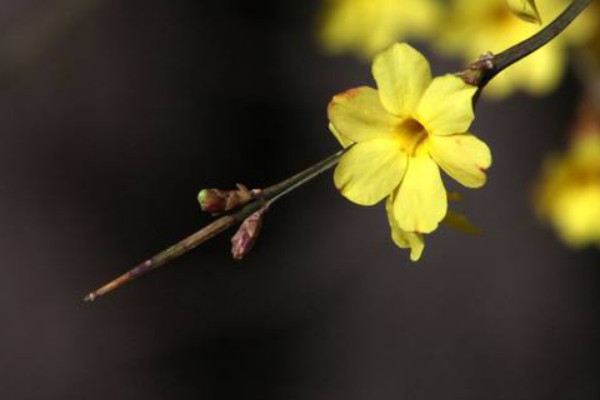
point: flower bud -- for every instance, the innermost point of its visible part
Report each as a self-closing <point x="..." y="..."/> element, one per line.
<point x="245" y="238"/>
<point x="212" y="200"/>
<point x="217" y="201"/>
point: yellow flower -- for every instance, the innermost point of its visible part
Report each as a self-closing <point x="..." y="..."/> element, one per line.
<point x="479" y="26"/>
<point x="369" y="26"/>
<point x="400" y="135"/>
<point x="568" y="193"/>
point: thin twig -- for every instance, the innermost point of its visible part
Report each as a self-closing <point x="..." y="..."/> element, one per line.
<point x="268" y="197"/>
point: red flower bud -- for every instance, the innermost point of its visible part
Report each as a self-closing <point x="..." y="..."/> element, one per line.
<point x="245" y="238"/>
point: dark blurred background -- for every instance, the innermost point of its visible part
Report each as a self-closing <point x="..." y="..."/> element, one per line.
<point x="116" y="115"/>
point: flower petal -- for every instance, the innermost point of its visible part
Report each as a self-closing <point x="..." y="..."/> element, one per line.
<point x="405" y="240"/>
<point x="575" y="214"/>
<point x="343" y="141"/>
<point x="420" y="202"/>
<point x="446" y="107"/>
<point x="357" y="115"/>
<point x="402" y="75"/>
<point x="370" y="171"/>
<point x="463" y="157"/>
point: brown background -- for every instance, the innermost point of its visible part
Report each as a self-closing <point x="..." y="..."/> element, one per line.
<point x="108" y="134"/>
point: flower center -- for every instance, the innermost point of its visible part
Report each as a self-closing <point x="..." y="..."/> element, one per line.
<point x="411" y="134"/>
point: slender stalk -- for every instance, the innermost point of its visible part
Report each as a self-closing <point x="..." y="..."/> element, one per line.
<point x="485" y="69"/>
<point x="523" y="49"/>
<point x="276" y="192"/>
<point x="478" y="74"/>
<point x="268" y="197"/>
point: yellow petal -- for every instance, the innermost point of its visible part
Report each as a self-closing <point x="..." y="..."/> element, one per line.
<point x="342" y="28"/>
<point x="343" y="141"/>
<point x="585" y="147"/>
<point x="366" y="27"/>
<point x="526" y="10"/>
<point x="369" y="26"/>
<point x="405" y="240"/>
<point x="463" y="157"/>
<point x="576" y="214"/>
<point x="357" y="115"/>
<point x="447" y="106"/>
<point x="420" y="202"/>
<point x="461" y="223"/>
<point x="370" y="171"/>
<point x="402" y="75"/>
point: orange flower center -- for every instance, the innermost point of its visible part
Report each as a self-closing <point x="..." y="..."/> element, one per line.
<point x="411" y="134"/>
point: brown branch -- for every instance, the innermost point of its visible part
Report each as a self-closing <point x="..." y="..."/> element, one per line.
<point x="267" y="197"/>
<point x="478" y="74"/>
<point x="488" y="66"/>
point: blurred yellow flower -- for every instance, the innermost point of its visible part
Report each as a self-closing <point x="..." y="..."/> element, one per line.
<point x="369" y="26"/>
<point x="476" y="27"/>
<point x="568" y="192"/>
<point x="400" y="135"/>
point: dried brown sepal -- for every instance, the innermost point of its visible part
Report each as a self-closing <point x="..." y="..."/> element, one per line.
<point x="217" y="201"/>
<point x="525" y="10"/>
<point x="475" y="73"/>
<point x="245" y="238"/>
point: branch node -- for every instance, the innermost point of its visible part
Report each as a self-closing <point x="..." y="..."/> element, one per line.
<point x="476" y="72"/>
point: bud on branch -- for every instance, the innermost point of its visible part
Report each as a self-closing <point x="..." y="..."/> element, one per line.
<point x="218" y="201"/>
<point x="484" y="70"/>
<point x="244" y="239"/>
<point x="257" y="202"/>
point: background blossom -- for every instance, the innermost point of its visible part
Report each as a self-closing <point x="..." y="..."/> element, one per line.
<point x="369" y="26"/>
<point x="567" y="194"/>
<point x="488" y="25"/>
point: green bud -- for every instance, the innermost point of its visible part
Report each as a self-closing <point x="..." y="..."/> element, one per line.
<point x="218" y="201"/>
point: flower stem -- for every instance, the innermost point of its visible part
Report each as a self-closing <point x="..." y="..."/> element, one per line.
<point x="484" y="70"/>
<point x="267" y="198"/>
<point x="478" y="74"/>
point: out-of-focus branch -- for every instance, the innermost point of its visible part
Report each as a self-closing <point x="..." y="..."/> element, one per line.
<point x="587" y="70"/>
<point x="29" y="39"/>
